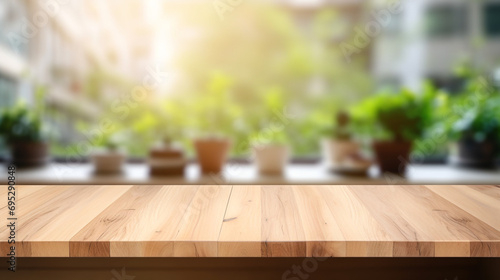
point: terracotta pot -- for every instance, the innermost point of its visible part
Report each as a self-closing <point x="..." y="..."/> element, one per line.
<point x="392" y="156"/>
<point x="271" y="159"/>
<point x="29" y="154"/>
<point x="108" y="161"/>
<point x="212" y="154"/>
<point x="336" y="151"/>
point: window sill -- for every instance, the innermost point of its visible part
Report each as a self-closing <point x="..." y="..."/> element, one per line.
<point x="239" y="173"/>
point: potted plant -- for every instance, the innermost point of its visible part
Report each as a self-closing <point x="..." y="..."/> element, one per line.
<point x="475" y="125"/>
<point x="166" y="159"/>
<point x="214" y="118"/>
<point x="162" y="126"/>
<point x="394" y="121"/>
<point x="341" y="153"/>
<point x="270" y="152"/>
<point x="22" y="129"/>
<point x="108" y="159"/>
<point x="268" y="130"/>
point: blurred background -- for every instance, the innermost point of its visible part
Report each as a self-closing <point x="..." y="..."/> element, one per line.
<point x="348" y="81"/>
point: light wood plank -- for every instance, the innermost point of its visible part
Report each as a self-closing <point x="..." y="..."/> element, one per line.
<point x="485" y="249"/>
<point x="491" y="190"/>
<point x="282" y="229"/>
<point x="478" y="203"/>
<point x="323" y="235"/>
<point x="96" y="235"/>
<point x="455" y="223"/>
<point x="432" y="217"/>
<point x="413" y="249"/>
<point x="160" y="217"/>
<point x="241" y="230"/>
<point x="201" y="225"/>
<point x="29" y="201"/>
<point x="452" y="249"/>
<point x="386" y="213"/>
<point x="77" y="206"/>
<point x="365" y="237"/>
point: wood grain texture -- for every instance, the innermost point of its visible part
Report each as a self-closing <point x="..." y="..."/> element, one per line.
<point x="282" y="229"/>
<point x="240" y="235"/>
<point x="323" y="235"/>
<point x="201" y="224"/>
<point x="255" y="221"/>
<point x="452" y="249"/>
<point x="480" y="201"/>
<point x="364" y="236"/>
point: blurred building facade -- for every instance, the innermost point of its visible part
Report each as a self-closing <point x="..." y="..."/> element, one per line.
<point x="425" y="39"/>
<point x="433" y="37"/>
<point x="59" y="43"/>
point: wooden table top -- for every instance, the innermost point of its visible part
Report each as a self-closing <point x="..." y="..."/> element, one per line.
<point x="255" y="221"/>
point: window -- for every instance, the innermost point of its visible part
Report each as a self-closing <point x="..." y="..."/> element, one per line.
<point x="11" y="15"/>
<point x="8" y="91"/>
<point x="448" y="83"/>
<point x="491" y="19"/>
<point x="446" y="20"/>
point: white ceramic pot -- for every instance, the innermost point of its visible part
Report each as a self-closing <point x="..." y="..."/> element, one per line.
<point x="271" y="158"/>
<point x="108" y="161"/>
<point x="335" y="152"/>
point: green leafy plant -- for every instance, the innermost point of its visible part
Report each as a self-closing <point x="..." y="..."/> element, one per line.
<point x="114" y="141"/>
<point x="476" y="111"/>
<point x="214" y="114"/>
<point x="270" y="124"/>
<point x="341" y="129"/>
<point x="111" y="138"/>
<point x="164" y="121"/>
<point x="269" y="137"/>
<point x="402" y="116"/>
<point x="20" y="124"/>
